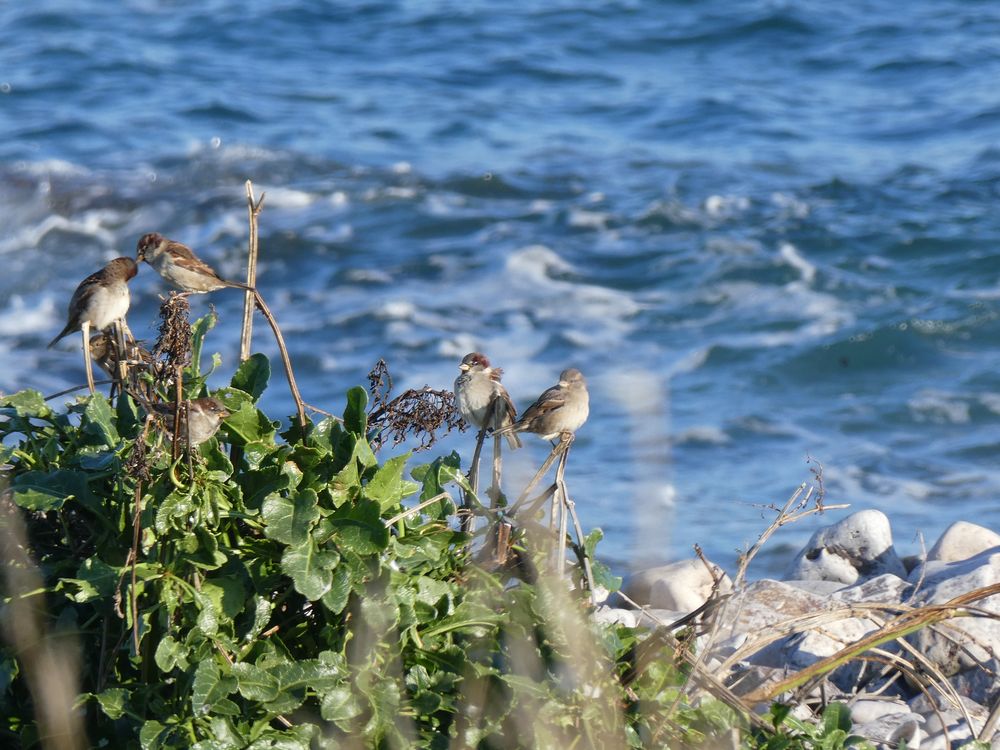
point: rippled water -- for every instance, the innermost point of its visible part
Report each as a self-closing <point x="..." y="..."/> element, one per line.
<point x="765" y="231"/>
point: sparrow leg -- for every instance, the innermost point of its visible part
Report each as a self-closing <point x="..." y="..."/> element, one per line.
<point x="86" y="356"/>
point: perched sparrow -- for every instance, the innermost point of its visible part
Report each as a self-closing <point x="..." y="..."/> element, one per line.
<point x="104" y="350"/>
<point x="204" y="417"/>
<point x="180" y="266"/>
<point x="101" y="299"/>
<point x="476" y="388"/>
<point x="562" y="408"/>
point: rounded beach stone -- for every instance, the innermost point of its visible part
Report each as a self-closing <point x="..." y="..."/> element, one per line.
<point x="963" y="540"/>
<point x="856" y="548"/>
<point x="682" y="586"/>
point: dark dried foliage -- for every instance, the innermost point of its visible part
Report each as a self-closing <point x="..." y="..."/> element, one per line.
<point x="174" y="340"/>
<point x="420" y="412"/>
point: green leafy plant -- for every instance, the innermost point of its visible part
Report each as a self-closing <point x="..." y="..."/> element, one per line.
<point x="310" y="595"/>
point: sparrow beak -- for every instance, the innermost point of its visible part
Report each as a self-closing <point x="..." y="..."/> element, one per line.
<point x="464" y="367"/>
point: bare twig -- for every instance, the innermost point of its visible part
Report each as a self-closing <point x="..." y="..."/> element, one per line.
<point x="285" y="360"/>
<point x="253" y="212"/>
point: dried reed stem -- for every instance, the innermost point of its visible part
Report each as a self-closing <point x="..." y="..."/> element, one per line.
<point x="253" y="211"/>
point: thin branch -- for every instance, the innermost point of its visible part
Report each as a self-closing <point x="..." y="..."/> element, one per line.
<point x="253" y="211"/>
<point x="283" y="350"/>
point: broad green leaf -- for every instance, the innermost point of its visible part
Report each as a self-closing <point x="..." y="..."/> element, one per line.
<point x="26" y="403"/>
<point x="227" y="593"/>
<point x="49" y="490"/>
<point x="261" y="616"/>
<point x="246" y="424"/>
<point x="208" y="615"/>
<point x="95" y="579"/>
<point x="98" y="420"/>
<point x="170" y="653"/>
<point x="340" y="590"/>
<point x="255" y="683"/>
<point x="290" y="520"/>
<point x="209" y="687"/>
<point x="355" y="418"/>
<point x="339" y="705"/>
<point x="388" y="487"/>
<point x="152" y="734"/>
<point x="252" y="375"/>
<point x="359" y="527"/>
<point x="113" y="702"/>
<point x="309" y="568"/>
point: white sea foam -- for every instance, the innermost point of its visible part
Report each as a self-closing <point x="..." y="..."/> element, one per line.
<point x="583" y="219"/>
<point x="790" y="206"/>
<point x="939" y="407"/>
<point x="281" y="197"/>
<point x="95" y="223"/>
<point x="793" y="258"/>
<point x="725" y="206"/>
<point x="20" y="317"/>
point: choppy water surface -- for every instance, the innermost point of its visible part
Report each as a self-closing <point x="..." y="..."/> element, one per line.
<point x="765" y="232"/>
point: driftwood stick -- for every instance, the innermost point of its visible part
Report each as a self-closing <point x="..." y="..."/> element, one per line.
<point x="254" y="207"/>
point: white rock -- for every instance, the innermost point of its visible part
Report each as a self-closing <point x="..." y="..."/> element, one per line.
<point x="866" y="711"/>
<point x="958" y="644"/>
<point x="681" y="586"/>
<point x="963" y="540"/>
<point x="856" y="548"/>
<point x="888" y="588"/>
<point x="612" y="616"/>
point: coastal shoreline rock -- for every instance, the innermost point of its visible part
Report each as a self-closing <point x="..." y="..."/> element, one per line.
<point x="847" y="584"/>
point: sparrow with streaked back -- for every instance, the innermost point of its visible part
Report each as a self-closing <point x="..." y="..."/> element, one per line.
<point x="561" y="409"/>
<point x="178" y="264"/>
<point x="204" y="417"/>
<point x="100" y="300"/>
<point x="481" y="399"/>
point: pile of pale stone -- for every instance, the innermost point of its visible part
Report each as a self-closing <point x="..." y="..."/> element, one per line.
<point x="826" y="603"/>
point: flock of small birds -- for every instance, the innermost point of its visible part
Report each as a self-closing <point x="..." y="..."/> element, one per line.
<point x="101" y="302"/>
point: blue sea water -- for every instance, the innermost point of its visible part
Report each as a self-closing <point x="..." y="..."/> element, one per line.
<point x="767" y="232"/>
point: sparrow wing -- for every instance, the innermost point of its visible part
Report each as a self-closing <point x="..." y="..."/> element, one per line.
<point x="184" y="257"/>
<point x="551" y="399"/>
<point x="78" y="304"/>
<point x="505" y="414"/>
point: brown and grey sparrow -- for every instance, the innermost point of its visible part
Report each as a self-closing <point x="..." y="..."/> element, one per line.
<point x="179" y="265"/>
<point x="481" y="399"/>
<point x="205" y="416"/>
<point x="563" y="408"/>
<point x="100" y="300"/>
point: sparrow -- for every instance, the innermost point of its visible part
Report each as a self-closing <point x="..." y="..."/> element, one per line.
<point x="179" y="265"/>
<point x="476" y="387"/>
<point x="104" y="350"/>
<point x="100" y="300"/>
<point x="561" y="409"/>
<point x="204" y="417"/>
